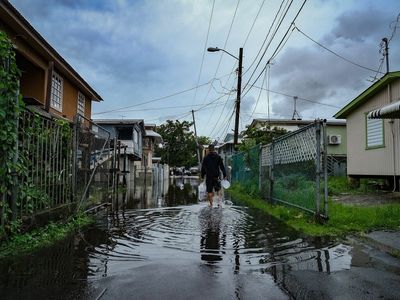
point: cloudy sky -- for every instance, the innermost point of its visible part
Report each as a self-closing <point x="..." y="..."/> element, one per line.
<point x="146" y="58"/>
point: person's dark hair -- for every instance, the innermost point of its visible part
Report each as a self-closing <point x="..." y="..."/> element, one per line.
<point x="211" y="147"/>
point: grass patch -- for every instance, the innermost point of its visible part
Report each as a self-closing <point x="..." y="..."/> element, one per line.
<point x="20" y="244"/>
<point x="340" y="185"/>
<point x="343" y="219"/>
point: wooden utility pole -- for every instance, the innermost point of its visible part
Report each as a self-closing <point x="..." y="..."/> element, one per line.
<point x="239" y="90"/>
<point x="385" y="40"/>
<point x="197" y="140"/>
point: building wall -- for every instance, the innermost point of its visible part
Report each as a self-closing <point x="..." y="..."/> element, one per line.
<point x="341" y="148"/>
<point x="380" y="161"/>
<point x="33" y="81"/>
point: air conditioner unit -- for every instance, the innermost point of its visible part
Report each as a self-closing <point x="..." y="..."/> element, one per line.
<point x="334" y="139"/>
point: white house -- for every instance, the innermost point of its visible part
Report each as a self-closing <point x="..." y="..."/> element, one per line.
<point x="373" y="128"/>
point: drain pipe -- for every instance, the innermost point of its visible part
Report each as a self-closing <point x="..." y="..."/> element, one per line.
<point x="391" y="122"/>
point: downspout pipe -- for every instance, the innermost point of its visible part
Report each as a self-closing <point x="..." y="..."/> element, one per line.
<point x="391" y="122"/>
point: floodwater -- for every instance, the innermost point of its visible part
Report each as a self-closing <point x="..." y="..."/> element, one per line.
<point x="162" y="243"/>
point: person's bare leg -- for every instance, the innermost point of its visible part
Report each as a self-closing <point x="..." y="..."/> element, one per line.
<point x="220" y="197"/>
<point x="210" y="198"/>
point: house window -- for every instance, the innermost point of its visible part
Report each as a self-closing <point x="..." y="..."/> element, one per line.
<point x="135" y="136"/>
<point x="375" y="133"/>
<point x="125" y="133"/>
<point x="56" y="92"/>
<point x="81" y="103"/>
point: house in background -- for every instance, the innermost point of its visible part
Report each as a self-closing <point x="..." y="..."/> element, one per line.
<point x="227" y="148"/>
<point x="374" y="148"/>
<point x="150" y="140"/>
<point x="129" y="132"/>
<point x="48" y="83"/>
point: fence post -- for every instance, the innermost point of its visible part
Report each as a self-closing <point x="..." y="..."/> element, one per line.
<point x="259" y="168"/>
<point x="325" y="166"/>
<point x="318" y="165"/>
<point x="14" y="192"/>
<point x="75" y="157"/>
<point x="271" y="170"/>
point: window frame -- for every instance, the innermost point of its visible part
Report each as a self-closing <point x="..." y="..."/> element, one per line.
<point x="81" y="97"/>
<point x="57" y="105"/>
<point x="382" y="145"/>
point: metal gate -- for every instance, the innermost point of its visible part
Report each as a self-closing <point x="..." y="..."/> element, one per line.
<point x="293" y="169"/>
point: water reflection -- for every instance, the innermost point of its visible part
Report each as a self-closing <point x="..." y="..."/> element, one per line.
<point x="244" y="250"/>
<point x="147" y="194"/>
<point x="213" y="238"/>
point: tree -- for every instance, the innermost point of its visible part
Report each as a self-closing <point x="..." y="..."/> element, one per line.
<point x="262" y="135"/>
<point x="179" y="144"/>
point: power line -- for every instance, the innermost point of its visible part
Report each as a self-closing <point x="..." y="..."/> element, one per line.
<point x="160" y="98"/>
<point x="220" y="115"/>
<point x="204" y="50"/>
<point x="396" y="22"/>
<point x="226" y="42"/>
<point x="283" y="15"/>
<point x="254" y="22"/>
<point x="276" y="49"/>
<point x="334" y="53"/>
<point x="265" y="39"/>
<point x="300" y="98"/>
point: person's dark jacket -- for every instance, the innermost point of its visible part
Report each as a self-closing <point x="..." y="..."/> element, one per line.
<point x="212" y="163"/>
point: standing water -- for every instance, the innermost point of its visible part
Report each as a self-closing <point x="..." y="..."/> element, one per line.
<point x="168" y="245"/>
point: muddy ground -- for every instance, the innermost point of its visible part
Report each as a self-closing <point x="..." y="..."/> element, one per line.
<point x="381" y="197"/>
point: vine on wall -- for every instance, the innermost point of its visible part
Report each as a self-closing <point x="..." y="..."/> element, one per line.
<point x="10" y="107"/>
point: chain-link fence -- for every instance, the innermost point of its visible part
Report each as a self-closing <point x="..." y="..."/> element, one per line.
<point x="245" y="169"/>
<point x="291" y="170"/>
<point x="96" y="162"/>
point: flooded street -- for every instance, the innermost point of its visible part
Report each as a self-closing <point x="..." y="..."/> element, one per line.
<point x="164" y="244"/>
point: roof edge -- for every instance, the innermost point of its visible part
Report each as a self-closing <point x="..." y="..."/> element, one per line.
<point x="34" y="32"/>
<point x="366" y="94"/>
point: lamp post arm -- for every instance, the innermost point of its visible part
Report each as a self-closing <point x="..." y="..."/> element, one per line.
<point x="229" y="54"/>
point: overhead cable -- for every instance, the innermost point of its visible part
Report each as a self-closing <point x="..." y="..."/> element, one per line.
<point x="160" y="98"/>
<point x="204" y="50"/>
<point x="276" y="50"/>
<point x="334" y="53"/>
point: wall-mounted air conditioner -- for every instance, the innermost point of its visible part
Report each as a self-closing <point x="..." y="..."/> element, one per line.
<point x="334" y="139"/>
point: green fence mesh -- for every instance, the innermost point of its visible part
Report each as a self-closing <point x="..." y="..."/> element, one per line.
<point x="245" y="169"/>
<point x="290" y="170"/>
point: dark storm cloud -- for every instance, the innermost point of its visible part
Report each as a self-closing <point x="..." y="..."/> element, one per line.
<point x="315" y="74"/>
<point x="361" y="25"/>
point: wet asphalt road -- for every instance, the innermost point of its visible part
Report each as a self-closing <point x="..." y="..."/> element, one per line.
<point x="177" y="248"/>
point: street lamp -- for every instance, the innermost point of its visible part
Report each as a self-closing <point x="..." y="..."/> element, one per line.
<point x="239" y="88"/>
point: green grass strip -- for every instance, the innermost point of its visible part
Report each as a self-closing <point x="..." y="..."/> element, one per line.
<point x="20" y="244"/>
<point x="343" y="219"/>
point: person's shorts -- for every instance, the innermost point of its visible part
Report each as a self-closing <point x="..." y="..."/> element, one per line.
<point x="213" y="184"/>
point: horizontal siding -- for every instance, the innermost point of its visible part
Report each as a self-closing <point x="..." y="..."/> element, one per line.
<point x="380" y="161"/>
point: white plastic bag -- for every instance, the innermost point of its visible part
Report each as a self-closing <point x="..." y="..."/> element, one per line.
<point x="201" y="195"/>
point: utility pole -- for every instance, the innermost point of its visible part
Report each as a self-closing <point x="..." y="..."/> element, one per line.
<point x="197" y="140"/>
<point x="239" y="90"/>
<point x="385" y="40"/>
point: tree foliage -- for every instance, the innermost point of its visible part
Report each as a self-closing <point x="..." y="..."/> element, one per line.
<point x="179" y="147"/>
<point x="263" y="135"/>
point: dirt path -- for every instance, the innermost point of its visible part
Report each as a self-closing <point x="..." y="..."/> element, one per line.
<point x="368" y="199"/>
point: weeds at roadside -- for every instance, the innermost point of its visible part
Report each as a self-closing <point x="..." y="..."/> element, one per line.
<point x="343" y="219"/>
<point x="19" y="244"/>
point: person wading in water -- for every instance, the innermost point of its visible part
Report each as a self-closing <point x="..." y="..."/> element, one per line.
<point x="211" y="168"/>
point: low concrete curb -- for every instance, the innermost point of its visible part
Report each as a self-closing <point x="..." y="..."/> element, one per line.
<point x="386" y="241"/>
